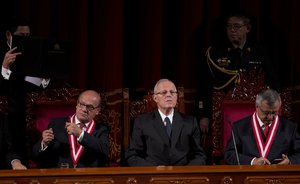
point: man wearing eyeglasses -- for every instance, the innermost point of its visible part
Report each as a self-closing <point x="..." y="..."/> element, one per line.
<point x="264" y="137"/>
<point x="165" y="137"/>
<point x="75" y="141"/>
<point x="229" y="64"/>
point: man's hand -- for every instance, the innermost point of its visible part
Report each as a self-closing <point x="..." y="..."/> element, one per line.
<point x="48" y="136"/>
<point x="204" y="125"/>
<point x="10" y="58"/>
<point x="17" y="165"/>
<point x="285" y="160"/>
<point x="73" y="129"/>
<point x="261" y="161"/>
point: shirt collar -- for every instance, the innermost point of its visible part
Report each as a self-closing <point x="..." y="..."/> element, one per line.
<point x="163" y="116"/>
<point x="77" y="122"/>
<point x="261" y="124"/>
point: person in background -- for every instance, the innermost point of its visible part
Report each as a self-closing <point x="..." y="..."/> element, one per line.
<point x="264" y="137"/>
<point x="228" y="64"/>
<point x="76" y="141"/>
<point x="8" y="158"/>
<point x="16" y="86"/>
<point x="165" y="137"/>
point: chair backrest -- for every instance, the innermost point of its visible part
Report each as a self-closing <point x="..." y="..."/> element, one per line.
<point x="42" y="107"/>
<point x="48" y="104"/>
<point x="115" y="106"/>
<point x="146" y="104"/>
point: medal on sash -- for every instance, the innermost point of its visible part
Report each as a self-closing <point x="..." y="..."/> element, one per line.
<point x="77" y="149"/>
<point x="264" y="147"/>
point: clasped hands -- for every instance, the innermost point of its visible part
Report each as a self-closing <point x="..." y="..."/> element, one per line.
<point x="264" y="161"/>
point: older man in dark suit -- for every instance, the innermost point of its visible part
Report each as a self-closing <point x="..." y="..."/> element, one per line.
<point x="264" y="137"/>
<point x="76" y="141"/>
<point x="165" y="137"/>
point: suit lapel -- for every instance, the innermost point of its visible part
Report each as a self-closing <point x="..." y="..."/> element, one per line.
<point x="159" y="126"/>
<point x="177" y="126"/>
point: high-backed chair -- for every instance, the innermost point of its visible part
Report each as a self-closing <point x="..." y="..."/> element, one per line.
<point x="146" y="104"/>
<point x="115" y="106"/>
<point x="62" y="102"/>
<point x="229" y="107"/>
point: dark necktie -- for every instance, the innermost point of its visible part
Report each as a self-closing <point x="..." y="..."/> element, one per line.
<point x="266" y="129"/>
<point x="81" y="125"/>
<point x="168" y="126"/>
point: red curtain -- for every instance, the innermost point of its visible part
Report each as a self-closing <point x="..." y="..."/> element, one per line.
<point x="120" y="43"/>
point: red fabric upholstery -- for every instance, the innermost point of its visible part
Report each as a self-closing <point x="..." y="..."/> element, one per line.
<point x="233" y="111"/>
<point x="45" y="113"/>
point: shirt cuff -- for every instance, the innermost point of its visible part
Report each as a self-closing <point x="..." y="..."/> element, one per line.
<point x="5" y="73"/>
<point x="45" y="82"/>
<point x="43" y="147"/>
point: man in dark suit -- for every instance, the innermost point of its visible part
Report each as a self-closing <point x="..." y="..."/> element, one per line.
<point x="165" y="137"/>
<point x="8" y="158"/>
<point x="264" y="137"/>
<point x="77" y="141"/>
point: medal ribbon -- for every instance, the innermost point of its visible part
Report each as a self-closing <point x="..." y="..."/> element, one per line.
<point x="264" y="147"/>
<point x="77" y="149"/>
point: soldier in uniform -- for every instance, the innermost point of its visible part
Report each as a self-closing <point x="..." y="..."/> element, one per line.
<point x="228" y="63"/>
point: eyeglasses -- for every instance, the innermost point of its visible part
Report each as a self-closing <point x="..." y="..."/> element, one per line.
<point x="267" y="113"/>
<point x="165" y="92"/>
<point x="235" y="26"/>
<point x="88" y="107"/>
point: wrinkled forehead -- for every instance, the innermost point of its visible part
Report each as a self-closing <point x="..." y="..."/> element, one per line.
<point x="274" y="106"/>
<point x="166" y="85"/>
<point x="235" y="20"/>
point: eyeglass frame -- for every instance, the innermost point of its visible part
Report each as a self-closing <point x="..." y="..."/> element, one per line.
<point x="267" y="113"/>
<point x="235" y="26"/>
<point x="165" y="92"/>
<point x="88" y="107"/>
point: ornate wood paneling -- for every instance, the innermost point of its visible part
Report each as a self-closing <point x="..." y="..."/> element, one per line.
<point x="224" y="174"/>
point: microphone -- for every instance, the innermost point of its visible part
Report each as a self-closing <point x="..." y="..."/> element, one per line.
<point x="234" y="144"/>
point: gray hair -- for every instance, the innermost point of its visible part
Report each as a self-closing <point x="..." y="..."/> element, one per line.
<point x="269" y="95"/>
<point x="160" y="81"/>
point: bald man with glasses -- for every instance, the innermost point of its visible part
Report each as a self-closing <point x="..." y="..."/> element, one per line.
<point x="76" y="141"/>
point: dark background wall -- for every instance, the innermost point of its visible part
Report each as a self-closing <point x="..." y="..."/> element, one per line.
<point x="133" y="43"/>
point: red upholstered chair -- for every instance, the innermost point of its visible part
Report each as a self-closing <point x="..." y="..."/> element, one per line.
<point x="51" y="103"/>
<point x="233" y="111"/>
<point x="238" y="103"/>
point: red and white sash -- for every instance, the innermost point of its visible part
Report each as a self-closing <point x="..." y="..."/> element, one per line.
<point x="264" y="147"/>
<point x="77" y="149"/>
